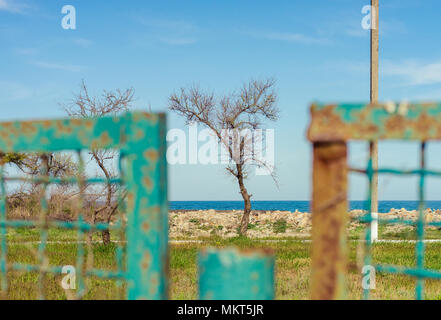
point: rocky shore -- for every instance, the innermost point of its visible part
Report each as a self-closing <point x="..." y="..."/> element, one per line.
<point x="264" y="224"/>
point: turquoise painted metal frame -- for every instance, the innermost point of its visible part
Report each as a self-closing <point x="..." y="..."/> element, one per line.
<point x="386" y="121"/>
<point x="140" y="138"/>
<point x="233" y="274"/>
<point x="340" y="123"/>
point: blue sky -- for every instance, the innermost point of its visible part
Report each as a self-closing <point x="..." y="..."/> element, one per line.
<point x="317" y="50"/>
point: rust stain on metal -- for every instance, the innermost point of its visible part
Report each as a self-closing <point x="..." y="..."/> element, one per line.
<point x="89" y="124"/>
<point x="329" y="215"/>
<point x="346" y="122"/>
<point x="47" y="124"/>
<point x="148" y="183"/>
<point x="103" y="140"/>
<point x="28" y="128"/>
<point x="146" y="260"/>
<point x="153" y="118"/>
<point x="130" y="200"/>
<point x="424" y="124"/>
<point x="76" y="122"/>
<point x="395" y="124"/>
<point x="140" y="134"/>
<point x="145" y="226"/>
<point x="154" y="280"/>
<point x="63" y="129"/>
<point x="151" y="155"/>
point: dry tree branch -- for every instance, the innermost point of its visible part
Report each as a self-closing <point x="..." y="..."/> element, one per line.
<point x="84" y="105"/>
<point x="234" y="113"/>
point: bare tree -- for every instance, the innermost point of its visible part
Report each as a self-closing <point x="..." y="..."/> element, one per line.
<point x="27" y="196"/>
<point x="83" y="105"/>
<point x="57" y="165"/>
<point x="232" y="118"/>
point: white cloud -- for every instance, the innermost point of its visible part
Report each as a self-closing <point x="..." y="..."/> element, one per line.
<point x="289" y="37"/>
<point x="56" y="66"/>
<point x="12" y="6"/>
<point x="410" y="72"/>
<point x="357" y="32"/>
<point x="414" y="72"/>
<point x="11" y="91"/>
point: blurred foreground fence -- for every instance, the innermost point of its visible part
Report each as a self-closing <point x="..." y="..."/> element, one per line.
<point x="142" y="254"/>
<point x="331" y="128"/>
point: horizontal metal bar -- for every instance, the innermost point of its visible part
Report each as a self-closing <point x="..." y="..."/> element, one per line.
<point x="373" y="122"/>
<point x="84" y="226"/>
<point x="398" y="172"/>
<point x="366" y="219"/>
<point x="70" y="134"/>
<point x="413" y="272"/>
<point x="105" y="274"/>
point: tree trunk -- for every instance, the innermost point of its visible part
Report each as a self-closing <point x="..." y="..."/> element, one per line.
<point x="247" y="202"/>
<point x="105" y="234"/>
<point x="246" y="214"/>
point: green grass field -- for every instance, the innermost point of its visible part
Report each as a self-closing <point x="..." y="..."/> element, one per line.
<point x="292" y="269"/>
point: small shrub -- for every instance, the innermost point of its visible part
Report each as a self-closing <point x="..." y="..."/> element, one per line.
<point x="280" y="226"/>
<point x="204" y="228"/>
<point x="252" y="226"/>
<point x="67" y="211"/>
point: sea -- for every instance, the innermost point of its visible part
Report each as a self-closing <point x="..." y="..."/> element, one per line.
<point x="302" y="206"/>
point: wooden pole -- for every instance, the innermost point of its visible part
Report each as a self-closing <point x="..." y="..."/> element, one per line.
<point x="374" y="94"/>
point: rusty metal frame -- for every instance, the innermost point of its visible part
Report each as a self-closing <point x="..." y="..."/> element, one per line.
<point x="332" y="127"/>
<point x="403" y="121"/>
<point x="140" y="138"/>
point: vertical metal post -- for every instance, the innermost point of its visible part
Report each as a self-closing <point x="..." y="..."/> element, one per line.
<point x="420" y="247"/>
<point x="147" y="212"/>
<point x="374" y="99"/>
<point x="230" y="274"/>
<point x="373" y="192"/>
<point x="329" y="218"/>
